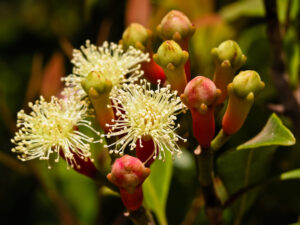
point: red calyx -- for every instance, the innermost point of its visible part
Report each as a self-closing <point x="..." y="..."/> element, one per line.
<point x="153" y="72"/>
<point x="132" y="201"/>
<point x="145" y="153"/>
<point x="203" y="126"/>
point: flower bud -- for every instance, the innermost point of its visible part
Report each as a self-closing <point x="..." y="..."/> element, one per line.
<point x="241" y="91"/>
<point x="200" y="95"/>
<point x="198" y="92"/>
<point x="96" y="81"/>
<point x="139" y="37"/>
<point x="136" y="35"/>
<point x="175" y="25"/>
<point x="172" y="58"/>
<point x="229" y="58"/>
<point x="246" y="82"/>
<point x="170" y="52"/>
<point x="98" y="89"/>
<point x="128" y="173"/>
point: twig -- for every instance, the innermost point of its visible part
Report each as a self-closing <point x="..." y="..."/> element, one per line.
<point x="278" y="71"/>
<point x="213" y="208"/>
<point x="142" y="216"/>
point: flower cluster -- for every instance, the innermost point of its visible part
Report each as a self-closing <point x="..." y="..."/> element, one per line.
<point x="52" y="127"/>
<point x="143" y="112"/>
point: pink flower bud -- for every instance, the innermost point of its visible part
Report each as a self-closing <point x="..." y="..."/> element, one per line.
<point x="200" y="95"/>
<point x="128" y="173"/>
<point x="175" y="25"/>
<point x="200" y="91"/>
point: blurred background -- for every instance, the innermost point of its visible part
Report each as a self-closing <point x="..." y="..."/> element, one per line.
<point x="36" y="42"/>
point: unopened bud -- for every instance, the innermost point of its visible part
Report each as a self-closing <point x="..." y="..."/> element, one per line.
<point x="246" y="82"/>
<point x="172" y="58"/>
<point x="245" y="86"/>
<point x="96" y="81"/>
<point x="170" y="52"/>
<point x="136" y="35"/>
<point x="230" y="53"/>
<point x="229" y="58"/>
<point x="200" y="95"/>
<point x="200" y="91"/>
<point x="175" y="25"/>
<point x="128" y="173"/>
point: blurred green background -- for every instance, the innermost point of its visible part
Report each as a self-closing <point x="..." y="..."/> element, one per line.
<point x="36" y="42"/>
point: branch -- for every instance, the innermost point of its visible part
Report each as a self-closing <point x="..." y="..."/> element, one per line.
<point x="142" y="216"/>
<point x="278" y="72"/>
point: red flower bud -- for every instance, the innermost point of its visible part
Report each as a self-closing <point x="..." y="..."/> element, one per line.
<point x="200" y="96"/>
<point x="128" y="173"/>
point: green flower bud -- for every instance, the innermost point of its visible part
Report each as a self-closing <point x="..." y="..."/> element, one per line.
<point x="229" y="54"/>
<point x="96" y="81"/>
<point x="170" y="52"/>
<point x="172" y="59"/>
<point x="242" y="92"/>
<point x="175" y="25"/>
<point x="135" y="35"/>
<point x="246" y="82"/>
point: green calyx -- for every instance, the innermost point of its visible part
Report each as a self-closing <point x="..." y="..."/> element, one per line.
<point x="175" y="25"/>
<point x="97" y="83"/>
<point x="247" y="82"/>
<point x="170" y="55"/>
<point x="229" y="54"/>
<point x="135" y="35"/>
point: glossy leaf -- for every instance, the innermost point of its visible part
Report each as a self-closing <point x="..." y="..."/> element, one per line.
<point x="273" y="133"/>
<point x="156" y="187"/>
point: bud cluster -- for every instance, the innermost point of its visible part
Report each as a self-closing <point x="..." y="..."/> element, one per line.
<point x="137" y="117"/>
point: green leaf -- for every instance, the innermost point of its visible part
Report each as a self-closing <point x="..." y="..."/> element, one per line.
<point x="273" y="133"/>
<point x="240" y="169"/>
<point x="156" y="187"/>
<point x="292" y="174"/>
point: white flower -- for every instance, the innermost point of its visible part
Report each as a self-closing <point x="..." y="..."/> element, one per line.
<point x="52" y="127"/>
<point x="110" y="60"/>
<point x="143" y="112"/>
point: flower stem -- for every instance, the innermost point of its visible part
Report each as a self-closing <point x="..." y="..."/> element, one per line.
<point x="213" y="208"/>
<point x="219" y="141"/>
<point x="142" y="216"/>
